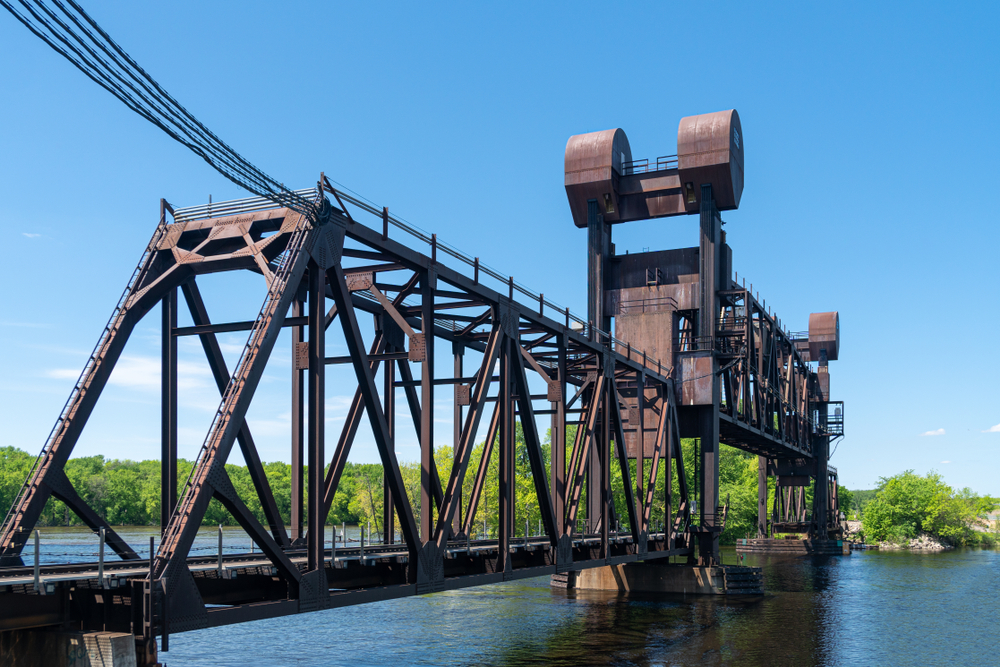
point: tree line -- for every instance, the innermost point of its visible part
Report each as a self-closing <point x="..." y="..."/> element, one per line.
<point x="127" y="492"/>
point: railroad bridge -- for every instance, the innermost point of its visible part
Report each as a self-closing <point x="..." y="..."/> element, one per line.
<point x="672" y="347"/>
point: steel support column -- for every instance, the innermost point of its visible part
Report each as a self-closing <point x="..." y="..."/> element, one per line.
<point x="640" y="443"/>
<point x="558" y="439"/>
<point x="505" y="405"/>
<point x="598" y="259"/>
<point x="298" y="424"/>
<point x="761" y="496"/>
<point x="317" y="375"/>
<point x="389" y="409"/>
<point x="168" y="409"/>
<point x="427" y="284"/>
<point x="459" y="352"/>
<point x="604" y="450"/>
<point x="708" y="415"/>
<point x="821" y="490"/>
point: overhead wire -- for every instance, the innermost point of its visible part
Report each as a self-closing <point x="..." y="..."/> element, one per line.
<point x="91" y="50"/>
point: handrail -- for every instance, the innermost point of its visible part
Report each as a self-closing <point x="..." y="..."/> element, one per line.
<point x="232" y="207"/>
<point x="642" y="166"/>
<point x="587" y="329"/>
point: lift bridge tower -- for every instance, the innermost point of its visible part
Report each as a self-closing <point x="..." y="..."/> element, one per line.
<point x="740" y="378"/>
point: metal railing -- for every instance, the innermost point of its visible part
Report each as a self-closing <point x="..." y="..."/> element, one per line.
<point x="232" y="207"/>
<point x="685" y="342"/>
<point x="633" y="306"/>
<point x="835" y="420"/>
<point x="537" y="302"/>
<point x="730" y="323"/>
<point x="644" y="166"/>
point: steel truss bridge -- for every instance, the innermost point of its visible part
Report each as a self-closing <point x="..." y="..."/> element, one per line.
<point x="418" y="303"/>
<point x="694" y="354"/>
<point x="322" y="273"/>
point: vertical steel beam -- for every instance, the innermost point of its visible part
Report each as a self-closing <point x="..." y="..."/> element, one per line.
<point x="406" y="375"/>
<point x="708" y="416"/>
<point x="558" y="440"/>
<point x="598" y="259"/>
<point x="298" y="424"/>
<point x="459" y="351"/>
<point x="389" y="408"/>
<point x="505" y="405"/>
<point x="317" y="375"/>
<point x="671" y="451"/>
<point x="604" y="449"/>
<point x="640" y="439"/>
<point x="427" y="283"/>
<point x="761" y="496"/>
<point x="593" y="463"/>
<point x="821" y="490"/>
<point x="168" y="408"/>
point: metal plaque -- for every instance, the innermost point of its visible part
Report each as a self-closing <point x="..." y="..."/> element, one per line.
<point x="301" y="356"/>
<point x="418" y="348"/>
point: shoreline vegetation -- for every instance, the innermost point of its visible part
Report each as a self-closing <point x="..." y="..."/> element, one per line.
<point x="910" y="511"/>
<point x="126" y="492"/>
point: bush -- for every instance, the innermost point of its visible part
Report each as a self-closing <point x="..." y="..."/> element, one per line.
<point x="908" y="504"/>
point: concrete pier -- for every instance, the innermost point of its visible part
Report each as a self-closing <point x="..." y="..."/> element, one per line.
<point x="49" y="648"/>
<point x="794" y="547"/>
<point x="666" y="578"/>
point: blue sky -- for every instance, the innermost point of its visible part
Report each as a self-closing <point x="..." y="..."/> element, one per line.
<point x="870" y="162"/>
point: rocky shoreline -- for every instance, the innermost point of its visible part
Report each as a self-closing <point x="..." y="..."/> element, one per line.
<point x="922" y="542"/>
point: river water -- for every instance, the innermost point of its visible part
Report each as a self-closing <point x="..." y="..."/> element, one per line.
<point x="874" y="608"/>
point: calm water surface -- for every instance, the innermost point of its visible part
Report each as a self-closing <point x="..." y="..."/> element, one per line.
<point x="867" y="608"/>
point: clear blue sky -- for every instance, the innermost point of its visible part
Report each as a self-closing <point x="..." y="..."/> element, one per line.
<point x="871" y="164"/>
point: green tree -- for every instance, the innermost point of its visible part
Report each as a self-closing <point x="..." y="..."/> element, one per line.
<point x="907" y="504"/>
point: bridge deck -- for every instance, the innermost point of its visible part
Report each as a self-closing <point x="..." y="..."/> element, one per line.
<point x="244" y="587"/>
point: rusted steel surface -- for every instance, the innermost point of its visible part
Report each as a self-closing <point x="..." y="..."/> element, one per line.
<point x="593" y="165"/>
<point x="599" y="167"/>
<point x="710" y="150"/>
<point x="740" y="377"/>
<point x="824" y="336"/>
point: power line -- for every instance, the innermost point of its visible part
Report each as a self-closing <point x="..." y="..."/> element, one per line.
<point x="72" y="33"/>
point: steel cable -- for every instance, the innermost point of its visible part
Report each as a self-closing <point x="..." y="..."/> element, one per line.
<point x="119" y="74"/>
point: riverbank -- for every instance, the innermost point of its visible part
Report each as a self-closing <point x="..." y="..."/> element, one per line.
<point x="922" y="542"/>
